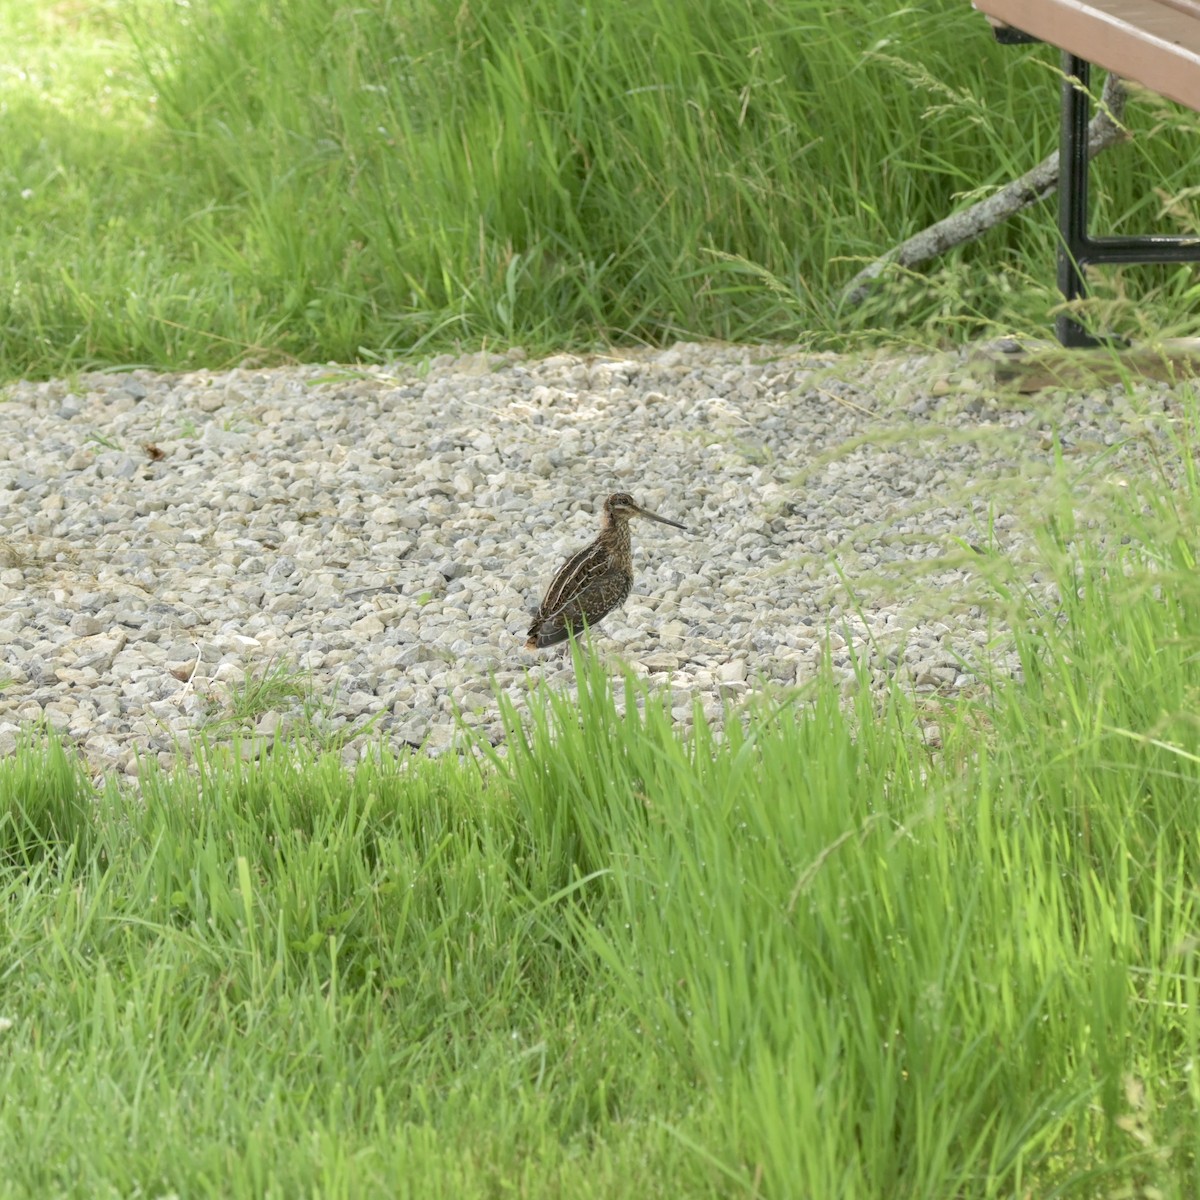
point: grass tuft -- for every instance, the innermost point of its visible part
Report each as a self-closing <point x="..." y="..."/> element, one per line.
<point x="45" y="803"/>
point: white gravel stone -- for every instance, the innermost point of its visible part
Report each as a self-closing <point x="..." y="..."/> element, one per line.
<point x="733" y="671"/>
<point x="385" y="532"/>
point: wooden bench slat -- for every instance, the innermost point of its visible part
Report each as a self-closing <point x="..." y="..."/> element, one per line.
<point x="1184" y="6"/>
<point x="1154" y="42"/>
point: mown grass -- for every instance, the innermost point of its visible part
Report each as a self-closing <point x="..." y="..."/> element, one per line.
<point x="818" y="956"/>
<point x="247" y="181"/>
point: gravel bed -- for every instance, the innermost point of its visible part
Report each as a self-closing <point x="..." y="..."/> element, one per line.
<point x="372" y="541"/>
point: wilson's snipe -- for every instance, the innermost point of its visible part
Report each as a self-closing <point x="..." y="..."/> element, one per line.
<point x="594" y="580"/>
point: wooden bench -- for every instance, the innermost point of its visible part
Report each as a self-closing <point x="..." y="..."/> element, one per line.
<point x="1155" y="43"/>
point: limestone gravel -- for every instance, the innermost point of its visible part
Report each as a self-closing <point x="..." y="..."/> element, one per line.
<point x="373" y="540"/>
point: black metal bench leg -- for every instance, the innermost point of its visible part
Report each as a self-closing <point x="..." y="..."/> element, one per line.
<point x="1077" y="248"/>
<point x="1073" y="197"/>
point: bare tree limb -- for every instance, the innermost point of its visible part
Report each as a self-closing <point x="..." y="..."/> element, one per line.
<point x="1104" y="130"/>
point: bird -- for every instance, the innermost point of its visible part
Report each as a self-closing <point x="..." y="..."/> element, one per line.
<point x="594" y="580"/>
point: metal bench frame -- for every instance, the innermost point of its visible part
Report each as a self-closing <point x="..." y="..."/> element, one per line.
<point x="1077" y="248"/>
<point x="1132" y="36"/>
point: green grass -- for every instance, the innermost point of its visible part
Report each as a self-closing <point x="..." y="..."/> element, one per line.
<point x="278" y="687"/>
<point x="244" y="181"/>
<point x="815" y="956"/>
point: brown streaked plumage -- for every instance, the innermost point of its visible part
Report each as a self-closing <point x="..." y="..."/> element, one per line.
<point x="594" y="580"/>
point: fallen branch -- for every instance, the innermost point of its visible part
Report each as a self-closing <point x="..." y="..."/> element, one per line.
<point x="1104" y="130"/>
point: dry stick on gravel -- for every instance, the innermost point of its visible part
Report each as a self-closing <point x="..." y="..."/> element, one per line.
<point x="1104" y="130"/>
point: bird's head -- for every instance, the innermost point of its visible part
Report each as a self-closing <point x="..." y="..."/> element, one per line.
<point x="620" y="506"/>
